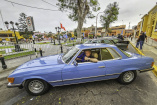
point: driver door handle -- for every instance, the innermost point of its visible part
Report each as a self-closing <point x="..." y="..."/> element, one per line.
<point x="101" y="66"/>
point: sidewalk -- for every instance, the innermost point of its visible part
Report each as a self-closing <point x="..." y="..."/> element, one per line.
<point x="148" y="50"/>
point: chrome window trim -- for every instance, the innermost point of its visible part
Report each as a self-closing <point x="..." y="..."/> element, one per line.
<point x="74" y="56"/>
<point x="100" y="52"/>
<point x="114" y="51"/>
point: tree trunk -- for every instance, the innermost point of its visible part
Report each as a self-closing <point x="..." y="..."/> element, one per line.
<point x="79" y="28"/>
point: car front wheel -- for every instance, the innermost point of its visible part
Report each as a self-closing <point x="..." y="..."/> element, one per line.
<point x="127" y="77"/>
<point x="36" y="87"/>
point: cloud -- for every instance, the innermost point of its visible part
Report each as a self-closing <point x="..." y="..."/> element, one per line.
<point x="48" y="20"/>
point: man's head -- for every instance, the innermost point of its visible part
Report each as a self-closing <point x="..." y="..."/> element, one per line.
<point x="87" y="53"/>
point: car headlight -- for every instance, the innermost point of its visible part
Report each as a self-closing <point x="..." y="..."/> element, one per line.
<point x="11" y="80"/>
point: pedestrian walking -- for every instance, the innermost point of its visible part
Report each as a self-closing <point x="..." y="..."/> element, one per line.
<point x="120" y="37"/>
<point x="141" y="40"/>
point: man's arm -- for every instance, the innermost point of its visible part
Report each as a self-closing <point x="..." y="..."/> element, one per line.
<point x="91" y="59"/>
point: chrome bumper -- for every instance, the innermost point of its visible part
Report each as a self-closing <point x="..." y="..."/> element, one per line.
<point x="145" y="70"/>
<point x="13" y="85"/>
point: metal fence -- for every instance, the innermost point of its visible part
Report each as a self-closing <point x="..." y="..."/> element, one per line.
<point x="10" y="50"/>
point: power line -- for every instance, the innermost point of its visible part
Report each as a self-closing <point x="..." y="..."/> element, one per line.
<point x="54" y="6"/>
<point x="30" y="6"/>
<point x="2" y="18"/>
<point x="49" y="3"/>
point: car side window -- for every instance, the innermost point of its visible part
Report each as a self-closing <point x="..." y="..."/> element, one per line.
<point x="114" y="53"/>
<point x="94" y="53"/>
<point x="105" y="54"/>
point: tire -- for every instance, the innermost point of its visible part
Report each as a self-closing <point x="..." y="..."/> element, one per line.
<point x="36" y="87"/>
<point x="127" y="77"/>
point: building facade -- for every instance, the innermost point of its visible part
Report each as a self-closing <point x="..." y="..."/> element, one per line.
<point x="149" y="23"/>
<point x="9" y="35"/>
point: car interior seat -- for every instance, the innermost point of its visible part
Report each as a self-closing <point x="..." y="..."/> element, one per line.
<point x="95" y="55"/>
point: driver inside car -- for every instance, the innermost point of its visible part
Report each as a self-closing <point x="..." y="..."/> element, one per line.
<point x="87" y="56"/>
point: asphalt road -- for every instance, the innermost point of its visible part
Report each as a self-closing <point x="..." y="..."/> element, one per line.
<point x="109" y="92"/>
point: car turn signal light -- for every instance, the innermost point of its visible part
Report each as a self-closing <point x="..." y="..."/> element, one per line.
<point x="11" y="80"/>
<point x="152" y="64"/>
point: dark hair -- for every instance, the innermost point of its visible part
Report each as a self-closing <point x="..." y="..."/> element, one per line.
<point x="87" y="50"/>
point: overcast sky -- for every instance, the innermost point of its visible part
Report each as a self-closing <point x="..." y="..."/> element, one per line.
<point x="48" y="20"/>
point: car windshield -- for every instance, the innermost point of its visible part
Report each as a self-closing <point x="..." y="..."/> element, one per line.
<point x="70" y="54"/>
<point x="116" y="40"/>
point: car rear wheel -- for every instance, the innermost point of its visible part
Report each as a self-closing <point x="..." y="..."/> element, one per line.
<point x="36" y="87"/>
<point x="127" y="77"/>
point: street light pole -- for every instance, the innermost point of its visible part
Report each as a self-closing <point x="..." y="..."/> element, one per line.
<point x="12" y="23"/>
<point x="96" y="23"/>
<point x="17" y="47"/>
<point x="58" y="29"/>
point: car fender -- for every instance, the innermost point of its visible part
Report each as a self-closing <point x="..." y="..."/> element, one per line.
<point x="32" y="77"/>
<point x="130" y="69"/>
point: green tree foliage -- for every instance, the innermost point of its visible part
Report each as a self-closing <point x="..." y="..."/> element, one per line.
<point x="26" y="36"/>
<point x="109" y="30"/>
<point x="49" y="34"/>
<point x="80" y="10"/>
<point x="69" y="35"/>
<point x="39" y="36"/>
<point x="110" y="15"/>
<point x="22" y="22"/>
<point x="23" y="26"/>
<point x="75" y="32"/>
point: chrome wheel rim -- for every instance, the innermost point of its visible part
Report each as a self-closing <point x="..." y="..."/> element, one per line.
<point x="128" y="76"/>
<point x="36" y="86"/>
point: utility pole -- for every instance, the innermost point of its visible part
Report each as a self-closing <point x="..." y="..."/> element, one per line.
<point x="2" y="19"/>
<point x="96" y="23"/>
<point x="129" y="26"/>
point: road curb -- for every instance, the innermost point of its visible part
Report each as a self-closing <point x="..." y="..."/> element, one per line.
<point x="155" y="67"/>
<point x="8" y="69"/>
<point x="3" y="78"/>
<point x="5" y="75"/>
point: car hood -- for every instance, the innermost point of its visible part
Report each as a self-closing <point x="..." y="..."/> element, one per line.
<point x="43" y="61"/>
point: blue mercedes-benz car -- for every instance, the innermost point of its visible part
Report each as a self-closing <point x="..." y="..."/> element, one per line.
<point x="83" y="63"/>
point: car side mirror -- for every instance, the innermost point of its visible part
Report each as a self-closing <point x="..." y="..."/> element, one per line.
<point x="75" y="63"/>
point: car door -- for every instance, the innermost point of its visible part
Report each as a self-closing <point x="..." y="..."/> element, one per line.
<point x="83" y="72"/>
<point x="113" y="62"/>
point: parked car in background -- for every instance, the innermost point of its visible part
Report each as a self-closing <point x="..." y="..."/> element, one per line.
<point x="38" y="75"/>
<point x="110" y="40"/>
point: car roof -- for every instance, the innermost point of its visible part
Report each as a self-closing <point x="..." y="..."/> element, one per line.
<point x="97" y="45"/>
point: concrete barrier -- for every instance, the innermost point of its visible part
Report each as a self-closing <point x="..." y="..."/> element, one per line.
<point x="155" y="67"/>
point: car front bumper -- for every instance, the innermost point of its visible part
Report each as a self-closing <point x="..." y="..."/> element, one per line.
<point x="13" y="85"/>
<point x="145" y="70"/>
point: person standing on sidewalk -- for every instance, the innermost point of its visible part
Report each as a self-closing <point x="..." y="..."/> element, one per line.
<point x="141" y="40"/>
